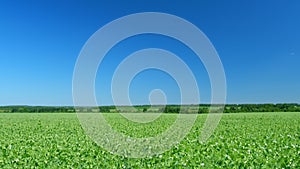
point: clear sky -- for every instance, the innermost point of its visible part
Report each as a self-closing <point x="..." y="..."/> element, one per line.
<point x="258" y="43"/>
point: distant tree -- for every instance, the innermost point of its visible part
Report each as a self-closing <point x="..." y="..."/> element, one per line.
<point x="203" y="110"/>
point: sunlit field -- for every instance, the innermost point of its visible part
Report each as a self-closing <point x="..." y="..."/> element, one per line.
<point x="242" y="140"/>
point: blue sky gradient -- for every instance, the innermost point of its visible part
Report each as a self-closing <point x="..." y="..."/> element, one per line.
<point x="258" y="43"/>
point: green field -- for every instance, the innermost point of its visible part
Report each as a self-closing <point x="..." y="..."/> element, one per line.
<point x="242" y="140"/>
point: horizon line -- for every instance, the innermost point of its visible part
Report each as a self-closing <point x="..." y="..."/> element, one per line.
<point x="44" y="105"/>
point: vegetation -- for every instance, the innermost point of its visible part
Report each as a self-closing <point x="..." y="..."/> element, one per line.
<point x="235" y="108"/>
<point x="202" y="108"/>
<point x="242" y="140"/>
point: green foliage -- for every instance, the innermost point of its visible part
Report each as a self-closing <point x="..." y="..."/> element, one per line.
<point x="235" y="108"/>
<point x="144" y="109"/>
<point x="243" y="140"/>
<point x="202" y="108"/>
<point x="36" y="109"/>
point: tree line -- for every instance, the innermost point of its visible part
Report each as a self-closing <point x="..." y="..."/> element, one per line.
<point x="201" y="108"/>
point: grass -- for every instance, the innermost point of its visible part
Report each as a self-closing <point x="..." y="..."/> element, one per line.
<point x="243" y="140"/>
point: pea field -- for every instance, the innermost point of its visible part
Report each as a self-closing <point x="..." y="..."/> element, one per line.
<point x="241" y="140"/>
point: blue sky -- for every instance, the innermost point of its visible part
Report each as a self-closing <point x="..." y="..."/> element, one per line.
<point x="258" y="43"/>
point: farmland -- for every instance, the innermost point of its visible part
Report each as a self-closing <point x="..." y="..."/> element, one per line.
<point x="241" y="140"/>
